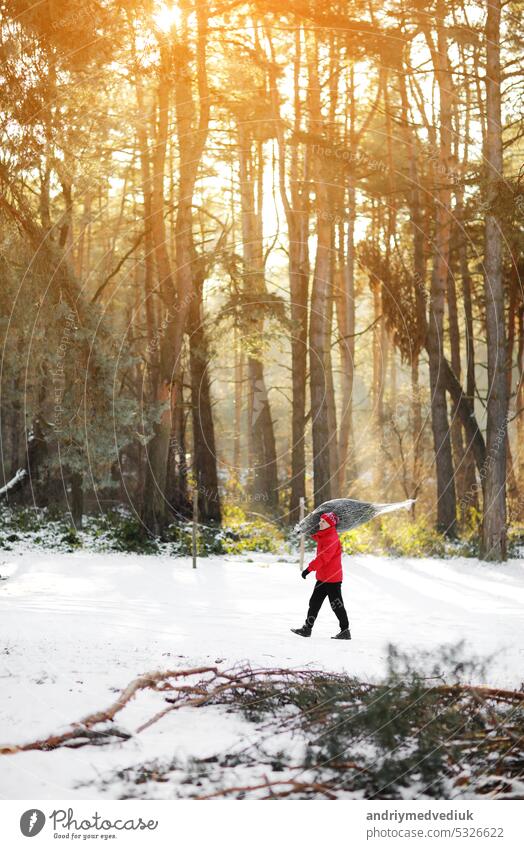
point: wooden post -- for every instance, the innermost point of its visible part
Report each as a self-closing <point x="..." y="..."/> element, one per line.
<point x="301" y="514"/>
<point x="195" y="524"/>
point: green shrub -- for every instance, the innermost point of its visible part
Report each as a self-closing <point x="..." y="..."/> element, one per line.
<point x="241" y="532"/>
<point x="129" y="534"/>
<point x="210" y="539"/>
<point x="71" y="539"/>
<point x="25" y="519"/>
<point x="250" y="534"/>
<point x="516" y="541"/>
<point x="361" y="540"/>
<point x="237" y="535"/>
<point x="405" y="538"/>
<point x="397" y="536"/>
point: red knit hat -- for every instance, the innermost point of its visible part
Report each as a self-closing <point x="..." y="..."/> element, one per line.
<point x="331" y="518"/>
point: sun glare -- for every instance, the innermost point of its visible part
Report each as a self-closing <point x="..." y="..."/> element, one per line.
<point x="166" y="17"/>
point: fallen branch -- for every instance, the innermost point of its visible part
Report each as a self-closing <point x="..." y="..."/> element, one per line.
<point x="322" y="705"/>
<point x="73" y="739"/>
<point x="230" y="681"/>
<point x="151" y="680"/>
<point x="294" y="785"/>
<point x="483" y="692"/>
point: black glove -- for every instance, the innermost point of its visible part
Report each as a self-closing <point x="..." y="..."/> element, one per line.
<point x="305" y="573"/>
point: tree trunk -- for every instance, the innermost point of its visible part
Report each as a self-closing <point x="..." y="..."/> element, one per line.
<point x="494" y="518"/>
<point x="263" y="478"/>
<point x="149" y="497"/>
<point x="459" y="455"/>
<point x="347" y="471"/>
<point x="154" y="507"/>
<point x="77" y="500"/>
<point x="330" y="383"/>
<point x="145" y="171"/>
<point x="177" y="496"/>
<point x="191" y="134"/>
<point x="470" y="479"/>
<point x="295" y="203"/>
<point x="320" y="292"/>
<point x="204" y="449"/>
<point x="239" y="393"/>
<point x="519" y="398"/>
<point x="379" y="370"/>
<point x="446" y="501"/>
<point x="511" y="478"/>
<point x="417" y="429"/>
<point x="317" y="363"/>
<point x="299" y="283"/>
<point x="419" y="283"/>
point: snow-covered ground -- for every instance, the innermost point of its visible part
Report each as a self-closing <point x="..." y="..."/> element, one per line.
<point x="76" y="628"/>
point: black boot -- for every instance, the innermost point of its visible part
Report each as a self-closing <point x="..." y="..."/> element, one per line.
<point x="344" y="635"/>
<point x="305" y="631"/>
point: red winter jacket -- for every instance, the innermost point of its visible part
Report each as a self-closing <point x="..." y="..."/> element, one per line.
<point x="328" y="562"/>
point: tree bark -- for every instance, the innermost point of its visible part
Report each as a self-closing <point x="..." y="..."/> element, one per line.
<point x="77" y="499"/>
<point x="459" y="455"/>
<point x="295" y="203"/>
<point x="145" y="171"/>
<point x="154" y="506"/>
<point x="446" y="501"/>
<point x="465" y="277"/>
<point x="191" y="135"/>
<point x="347" y="470"/>
<point x="346" y="316"/>
<point x="318" y="339"/>
<point x="519" y="397"/>
<point x="330" y="383"/>
<point x="494" y="519"/>
<point x="264" y="478"/>
<point x="178" y="467"/>
<point x="239" y="394"/>
<point x="204" y="447"/>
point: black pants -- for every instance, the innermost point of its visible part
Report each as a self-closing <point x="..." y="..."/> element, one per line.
<point x="334" y="591"/>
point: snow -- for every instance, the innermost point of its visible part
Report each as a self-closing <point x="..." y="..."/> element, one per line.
<point x="75" y="628"/>
<point x="19" y="475"/>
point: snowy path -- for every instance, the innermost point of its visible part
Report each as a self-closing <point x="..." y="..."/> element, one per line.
<point x="76" y="627"/>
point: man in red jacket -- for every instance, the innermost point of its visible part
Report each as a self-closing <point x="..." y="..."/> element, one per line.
<point x="328" y="566"/>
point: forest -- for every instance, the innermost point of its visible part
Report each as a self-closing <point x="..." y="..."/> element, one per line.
<point x="267" y="253"/>
<point x="256" y="257"/>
